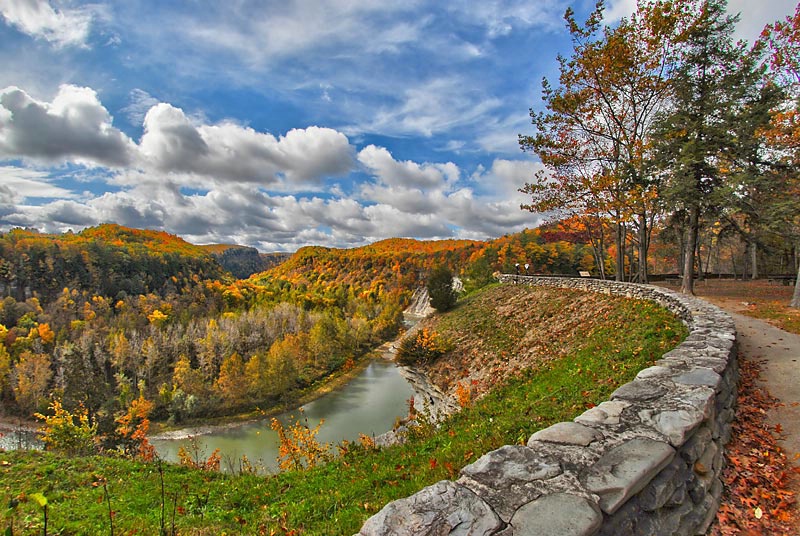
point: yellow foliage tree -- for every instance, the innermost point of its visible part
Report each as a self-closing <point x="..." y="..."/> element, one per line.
<point x="33" y="376"/>
<point x="185" y="378"/>
<point x="232" y="383"/>
<point x="157" y="318"/>
<point x="5" y="369"/>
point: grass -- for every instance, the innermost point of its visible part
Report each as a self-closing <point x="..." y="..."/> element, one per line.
<point x="338" y="497"/>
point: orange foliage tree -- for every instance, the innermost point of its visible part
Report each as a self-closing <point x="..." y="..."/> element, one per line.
<point x="133" y="426"/>
<point x="299" y="447"/>
<point x="595" y="136"/>
<point x="782" y="41"/>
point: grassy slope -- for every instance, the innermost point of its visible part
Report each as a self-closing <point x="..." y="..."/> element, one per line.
<point x="335" y="499"/>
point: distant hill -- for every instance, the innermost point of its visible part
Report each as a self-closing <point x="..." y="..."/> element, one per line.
<point x="402" y="264"/>
<point x="395" y="264"/>
<point x="105" y="260"/>
<point x="109" y="259"/>
<point x="244" y="261"/>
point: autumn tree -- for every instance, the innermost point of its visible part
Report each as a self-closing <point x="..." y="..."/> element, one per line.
<point x="232" y="384"/>
<point x="781" y="41"/>
<point x="5" y="370"/>
<point x="593" y="138"/>
<point x="133" y="425"/>
<point x="71" y="433"/>
<point x="32" y="376"/>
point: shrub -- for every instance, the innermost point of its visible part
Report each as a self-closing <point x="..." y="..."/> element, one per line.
<point x="423" y="347"/>
<point x="69" y="433"/>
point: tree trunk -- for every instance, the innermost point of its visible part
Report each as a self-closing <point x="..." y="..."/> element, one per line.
<point x="643" y="247"/>
<point x="682" y="251"/>
<point x="598" y="247"/>
<point x="620" y="239"/>
<point x="701" y="274"/>
<point x="753" y="260"/>
<point x="687" y="286"/>
<point x="796" y="296"/>
<point x="601" y="255"/>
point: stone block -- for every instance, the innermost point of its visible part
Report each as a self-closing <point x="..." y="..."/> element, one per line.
<point x="674" y="424"/>
<point x="663" y="487"/>
<point x="567" y="433"/>
<point x="625" y="470"/>
<point x="654" y="372"/>
<point x="507" y="478"/>
<point x="696" y="445"/>
<point x="443" y="508"/>
<point x="560" y="514"/>
<point x="700" y="398"/>
<point x="700" y="376"/>
<point x="605" y="413"/>
<point x="639" y="390"/>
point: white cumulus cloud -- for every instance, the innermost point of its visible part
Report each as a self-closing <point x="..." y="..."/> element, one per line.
<point x="389" y="171"/>
<point x="73" y="127"/>
<point x="172" y="142"/>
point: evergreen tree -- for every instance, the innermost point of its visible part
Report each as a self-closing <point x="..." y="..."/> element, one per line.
<point x="712" y="80"/>
<point x="440" y="289"/>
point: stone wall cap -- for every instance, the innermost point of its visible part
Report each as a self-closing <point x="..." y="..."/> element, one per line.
<point x="700" y="376"/>
<point x="625" y="470"/>
<point x="608" y="413"/>
<point x="639" y="390"/>
<point x="567" y="433"/>
<point x="437" y="509"/>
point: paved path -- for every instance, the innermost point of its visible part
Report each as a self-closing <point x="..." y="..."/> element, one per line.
<point x="781" y="373"/>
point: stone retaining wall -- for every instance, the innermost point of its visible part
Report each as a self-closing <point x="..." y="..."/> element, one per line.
<point x="645" y="462"/>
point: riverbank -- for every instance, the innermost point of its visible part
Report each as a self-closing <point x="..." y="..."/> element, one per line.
<point x="338" y="379"/>
<point x="162" y="430"/>
<point x="327" y="385"/>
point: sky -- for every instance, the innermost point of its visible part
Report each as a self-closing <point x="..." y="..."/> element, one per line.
<point x="281" y="124"/>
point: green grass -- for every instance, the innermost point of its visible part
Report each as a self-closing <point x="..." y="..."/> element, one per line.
<point x="338" y="497"/>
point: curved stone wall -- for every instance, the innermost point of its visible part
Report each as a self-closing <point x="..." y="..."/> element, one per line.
<point x="645" y="462"/>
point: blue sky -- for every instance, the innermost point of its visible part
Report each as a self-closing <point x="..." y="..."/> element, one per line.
<point x="279" y="124"/>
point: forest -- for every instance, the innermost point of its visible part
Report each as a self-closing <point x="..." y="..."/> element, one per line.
<point x="112" y="321"/>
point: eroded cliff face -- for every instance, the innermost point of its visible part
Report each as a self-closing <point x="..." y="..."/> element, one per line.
<point x="513" y="328"/>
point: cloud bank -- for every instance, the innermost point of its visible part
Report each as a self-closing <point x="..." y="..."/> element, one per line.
<point x="228" y="182"/>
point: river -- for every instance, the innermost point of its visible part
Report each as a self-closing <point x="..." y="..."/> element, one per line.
<point x="368" y="404"/>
